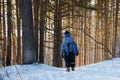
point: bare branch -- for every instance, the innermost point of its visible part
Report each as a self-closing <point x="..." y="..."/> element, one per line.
<point x="83" y="6"/>
<point x="105" y="47"/>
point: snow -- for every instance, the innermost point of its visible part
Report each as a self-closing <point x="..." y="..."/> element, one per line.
<point x="106" y="70"/>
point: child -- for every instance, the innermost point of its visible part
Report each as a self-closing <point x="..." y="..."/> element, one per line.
<point x="68" y="51"/>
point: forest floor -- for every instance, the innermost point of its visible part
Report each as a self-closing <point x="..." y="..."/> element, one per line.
<point x="106" y="70"/>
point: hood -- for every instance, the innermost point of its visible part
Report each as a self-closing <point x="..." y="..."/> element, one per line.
<point x="67" y="35"/>
<point x="68" y="39"/>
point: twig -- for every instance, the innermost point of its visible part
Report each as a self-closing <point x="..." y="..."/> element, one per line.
<point x="18" y="72"/>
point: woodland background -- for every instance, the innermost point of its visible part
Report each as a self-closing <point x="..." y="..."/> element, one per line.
<point x="32" y="30"/>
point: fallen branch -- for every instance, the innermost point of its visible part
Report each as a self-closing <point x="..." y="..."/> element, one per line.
<point x="18" y="72"/>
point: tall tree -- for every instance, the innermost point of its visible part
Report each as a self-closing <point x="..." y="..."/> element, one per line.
<point x="116" y="25"/>
<point x="18" y="16"/>
<point x="106" y="28"/>
<point x="85" y="29"/>
<point x="96" y="32"/>
<point x="43" y="6"/>
<point x="9" y="15"/>
<point x="29" y="49"/>
<point x="57" y="34"/>
<point x="36" y="19"/>
<point x="5" y="39"/>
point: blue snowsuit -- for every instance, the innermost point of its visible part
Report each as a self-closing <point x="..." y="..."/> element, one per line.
<point x="68" y="57"/>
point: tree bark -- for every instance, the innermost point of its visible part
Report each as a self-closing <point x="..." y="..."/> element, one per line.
<point x="85" y="38"/>
<point x="116" y="25"/>
<point x="57" y="34"/>
<point x="29" y="49"/>
<point x="9" y="14"/>
<point x="36" y="19"/>
<point x="18" y="14"/>
<point x="43" y="7"/>
<point x="5" y="39"/>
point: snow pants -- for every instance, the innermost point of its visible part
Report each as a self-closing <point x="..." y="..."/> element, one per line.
<point x="69" y="60"/>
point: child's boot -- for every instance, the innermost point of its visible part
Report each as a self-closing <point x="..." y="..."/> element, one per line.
<point x="73" y="68"/>
<point x="68" y="69"/>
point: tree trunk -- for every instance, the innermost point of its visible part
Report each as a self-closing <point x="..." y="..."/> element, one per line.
<point x="43" y="6"/>
<point x="29" y="49"/>
<point x="36" y="19"/>
<point x="57" y="34"/>
<point x="9" y="14"/>
<point x="85" y="38"/>
<point x="89" y="32"/>
<point x="116" y="25"/>
<point x="5" y="40"/>
<point x="18" y="14"/>
<point x="106" y="28"/>
<point x="96" y="33"/>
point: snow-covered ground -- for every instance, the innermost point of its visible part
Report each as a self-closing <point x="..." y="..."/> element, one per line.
<point x="107" y="70"/>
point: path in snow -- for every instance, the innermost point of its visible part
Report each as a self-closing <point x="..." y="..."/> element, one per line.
<point x="107" y="70"/>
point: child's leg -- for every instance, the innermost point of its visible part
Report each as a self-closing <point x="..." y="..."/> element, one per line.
<point x="67" y="63"/>
<point x="72" y="63"/>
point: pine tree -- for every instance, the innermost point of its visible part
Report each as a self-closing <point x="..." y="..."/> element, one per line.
<point x="9" y="26"/>
<point x="43" y="8"/>
<point x="57" y="34"/>
<point x="29" y="49"/>
<point x="18" y="16"/>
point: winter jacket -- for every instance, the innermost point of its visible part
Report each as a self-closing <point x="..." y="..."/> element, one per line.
<point x="67" y="39"/>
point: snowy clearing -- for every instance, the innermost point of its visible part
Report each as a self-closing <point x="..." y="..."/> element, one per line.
<point x="107" y="70"/>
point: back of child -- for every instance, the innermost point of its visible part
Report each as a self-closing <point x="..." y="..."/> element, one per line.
<point x="69" y="50"/>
